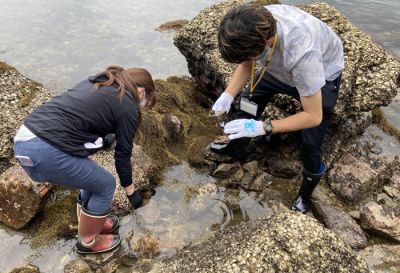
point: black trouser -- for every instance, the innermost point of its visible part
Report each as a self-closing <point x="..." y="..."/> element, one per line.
<point x="312" y="138"/>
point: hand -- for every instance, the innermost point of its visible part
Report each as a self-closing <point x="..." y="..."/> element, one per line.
<point x="135" y="199"/>
<point x="223" y="103"/>
<point x="108" y="141"/>
<point x="244" y="128"/>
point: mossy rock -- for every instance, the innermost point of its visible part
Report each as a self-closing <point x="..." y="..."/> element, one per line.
<point x="56" y="218"/>
<point x="177" y="97"/>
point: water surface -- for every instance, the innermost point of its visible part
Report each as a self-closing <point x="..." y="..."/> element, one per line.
<point x="61" y="42"/>
<point x="58" y="43"/>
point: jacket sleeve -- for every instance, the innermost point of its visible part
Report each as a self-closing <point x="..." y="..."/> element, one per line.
<point x="125" y="133"/>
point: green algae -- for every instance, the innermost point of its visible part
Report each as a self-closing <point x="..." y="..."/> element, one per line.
<point x="55" y="219"/>
<point x="177" y="96"/>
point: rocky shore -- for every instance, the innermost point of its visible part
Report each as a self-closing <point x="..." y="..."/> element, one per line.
<point x="354" y="225"/>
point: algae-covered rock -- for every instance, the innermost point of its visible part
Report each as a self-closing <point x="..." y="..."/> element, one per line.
<point x="56" y="219"/>
<point x="21" y="198"/>
<point x="178" y="127"/>
<point x="370" y="78"/>
<point x="147" y="247"/>
<point x="18" y="97"/>
<point x="288" y="242"/>
<point x="77" y="266"/>
<point x="107" y="260"/>
<point x="172" y="25"/>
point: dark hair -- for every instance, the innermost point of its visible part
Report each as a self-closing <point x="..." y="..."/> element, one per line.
<point x="130" y="79"/>
<point x="243" y="32"/>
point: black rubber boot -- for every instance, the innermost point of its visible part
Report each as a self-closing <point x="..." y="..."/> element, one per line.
<point x="310" y="181"/>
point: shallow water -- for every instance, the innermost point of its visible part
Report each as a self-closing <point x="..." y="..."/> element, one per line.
<point x="187" y="206"/>
<point x="16" y="251"/>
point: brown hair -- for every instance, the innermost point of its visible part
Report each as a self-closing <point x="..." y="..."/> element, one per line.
<point x="129" y="80"/>
<point x="243" y="32"/>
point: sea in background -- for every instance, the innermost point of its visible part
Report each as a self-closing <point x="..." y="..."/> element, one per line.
<point x="59" y="43"/>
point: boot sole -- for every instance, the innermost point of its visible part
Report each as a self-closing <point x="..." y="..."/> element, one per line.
<point x="114" y="229"/>
<point x="85" y="250"/>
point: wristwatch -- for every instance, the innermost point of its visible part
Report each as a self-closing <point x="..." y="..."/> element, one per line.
<point x="267" y="125"/>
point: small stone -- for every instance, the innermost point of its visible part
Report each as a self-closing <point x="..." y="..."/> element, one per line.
<point x="226" y="170"/>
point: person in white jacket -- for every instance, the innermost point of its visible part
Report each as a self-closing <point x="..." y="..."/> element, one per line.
<point x="300" y="56"/>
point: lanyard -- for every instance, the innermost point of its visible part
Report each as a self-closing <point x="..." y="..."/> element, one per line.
<point x="253" y="65"/>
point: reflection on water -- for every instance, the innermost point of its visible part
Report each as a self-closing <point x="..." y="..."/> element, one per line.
<point x="392" y="112"/>
<point x="187" y="207"/>
<point x="16" y="251"/>
<point x="385" y="144"/>
<point x="58" y="43"/>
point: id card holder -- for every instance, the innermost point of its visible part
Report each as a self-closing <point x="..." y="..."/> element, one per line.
<point x="249" y="107"/>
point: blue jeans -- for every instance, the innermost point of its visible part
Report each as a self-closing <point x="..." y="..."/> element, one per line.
<point x="48" y="164"/>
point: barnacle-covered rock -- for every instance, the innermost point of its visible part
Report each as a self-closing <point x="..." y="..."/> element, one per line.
<point x="288" y="242"/>
<point x="18" y="97"/>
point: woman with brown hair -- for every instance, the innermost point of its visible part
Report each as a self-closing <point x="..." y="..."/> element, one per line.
<point x="56" y="139"/>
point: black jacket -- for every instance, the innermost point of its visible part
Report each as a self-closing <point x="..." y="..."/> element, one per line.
<point x="83" y="115"/>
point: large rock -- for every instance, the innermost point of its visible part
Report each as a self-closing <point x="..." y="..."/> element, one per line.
<point x="18" y="97"/>
<point x="369" y="80"/>
<point x="21" y="198"/>
<point x="352" y="179"/>
<point x="337" y="220"/>
<point x="288" y="242"/>
<point x="283" y="167"/>
<point x="349" y="129"/>
<point x="382" y="219"/>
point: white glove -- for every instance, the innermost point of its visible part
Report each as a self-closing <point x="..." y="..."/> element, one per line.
<point x="223" y="103"/>
<point x="244" y="128"/>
